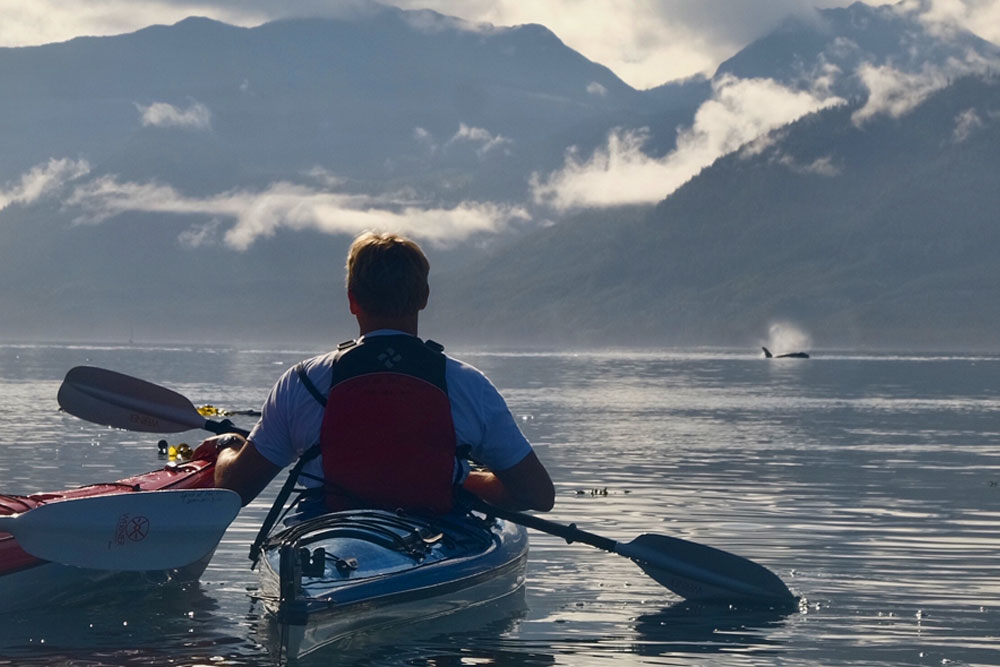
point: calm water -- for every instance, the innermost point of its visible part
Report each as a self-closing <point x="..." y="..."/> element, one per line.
<point x="870" y="484"/>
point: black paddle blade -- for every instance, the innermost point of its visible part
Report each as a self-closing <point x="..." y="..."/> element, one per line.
<point x="702" y="573"/>
<point x="113" y="399"/>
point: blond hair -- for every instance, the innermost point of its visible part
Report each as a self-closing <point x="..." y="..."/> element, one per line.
<point x="387" y="274"/>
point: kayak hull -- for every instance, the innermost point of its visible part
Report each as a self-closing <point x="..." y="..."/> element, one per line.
<point x="27" y="582"/>
<point x="362" y="571"/>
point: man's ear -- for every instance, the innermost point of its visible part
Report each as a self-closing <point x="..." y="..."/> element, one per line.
<point x="352" y="303"/>
<point x="423" y="301"/>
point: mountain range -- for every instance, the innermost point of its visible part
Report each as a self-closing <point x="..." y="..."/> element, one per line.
<point x="201" y="181"/>
<point x="883" y="236"/>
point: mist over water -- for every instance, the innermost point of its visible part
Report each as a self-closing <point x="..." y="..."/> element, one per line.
<point x="785" y="337"/>
<point x="869" y="483"/>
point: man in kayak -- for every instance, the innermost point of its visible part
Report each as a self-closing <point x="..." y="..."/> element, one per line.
<point x="388" y="418"/>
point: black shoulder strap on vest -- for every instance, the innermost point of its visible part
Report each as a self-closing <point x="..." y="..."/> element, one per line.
<point x="300" y="370"/>
<point x="308" y="384"/>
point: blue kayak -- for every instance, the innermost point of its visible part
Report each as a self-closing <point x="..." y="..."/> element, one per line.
<point x="343" y="573"/>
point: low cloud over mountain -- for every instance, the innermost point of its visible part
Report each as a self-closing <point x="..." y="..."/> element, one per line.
<point x="621" y="173"/>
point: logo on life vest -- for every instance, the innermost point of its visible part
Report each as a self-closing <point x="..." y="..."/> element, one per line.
<point x="389" y="358"/>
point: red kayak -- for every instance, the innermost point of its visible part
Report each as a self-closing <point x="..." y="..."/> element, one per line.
<point x="27" y="581"/>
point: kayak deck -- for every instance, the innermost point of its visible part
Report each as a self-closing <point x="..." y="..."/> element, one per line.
<point x="361" y="570"/>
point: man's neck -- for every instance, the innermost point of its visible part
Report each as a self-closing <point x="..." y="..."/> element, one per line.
<point x="367" y="325"/>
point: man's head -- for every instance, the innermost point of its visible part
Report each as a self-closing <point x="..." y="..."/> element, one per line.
<point x="387" y="276"/>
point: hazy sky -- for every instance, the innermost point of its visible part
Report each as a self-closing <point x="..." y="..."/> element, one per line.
<point x="645" y="42"/>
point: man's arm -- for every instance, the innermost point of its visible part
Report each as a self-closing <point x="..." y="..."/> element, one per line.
<point x="244" y="470"/>
<point x="524" y="486"/>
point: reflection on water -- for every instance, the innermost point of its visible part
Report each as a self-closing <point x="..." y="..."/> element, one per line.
<point x="689" y="628"/>
<point x="122" y="627"/>
<point x="463" y="638"/>
<point x="869" y="484"/>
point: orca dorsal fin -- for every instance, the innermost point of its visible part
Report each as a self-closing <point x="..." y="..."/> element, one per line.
<point x="767" y="352"/>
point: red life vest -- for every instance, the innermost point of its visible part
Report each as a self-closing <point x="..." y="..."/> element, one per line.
<point x="388" y="439"/>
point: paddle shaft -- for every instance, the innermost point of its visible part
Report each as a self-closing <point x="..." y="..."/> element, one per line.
<point x="570" y="532"/>
<point x="223" y="427"/>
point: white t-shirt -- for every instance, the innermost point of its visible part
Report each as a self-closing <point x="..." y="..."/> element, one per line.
<point x="291" y="418"/>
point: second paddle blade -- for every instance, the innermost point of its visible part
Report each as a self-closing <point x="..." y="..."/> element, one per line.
<point x="702" y="573"/>
<point x="122" y="401"/>
<point x="140" y="531"/>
